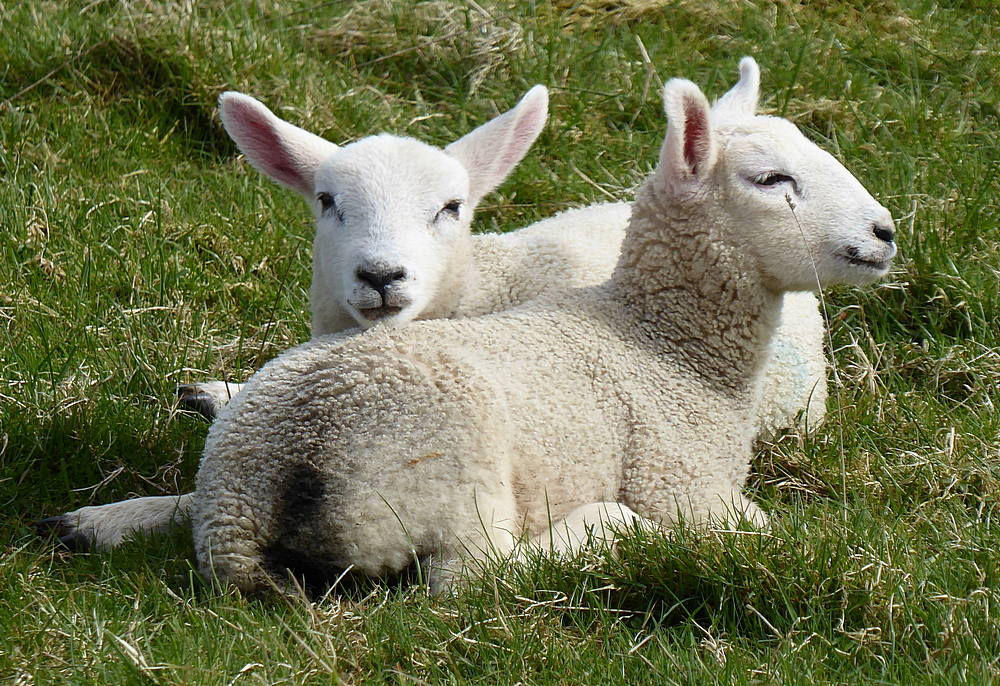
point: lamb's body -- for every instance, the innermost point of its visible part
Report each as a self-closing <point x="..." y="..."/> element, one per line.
<point x="452" y="438"/>
<point x="424" y="407"/>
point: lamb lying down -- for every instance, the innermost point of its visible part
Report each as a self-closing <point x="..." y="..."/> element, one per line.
<point x="386" y="211"/>
<point x="452" y="439"/>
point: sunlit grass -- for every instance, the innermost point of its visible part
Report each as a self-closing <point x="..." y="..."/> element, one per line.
<point x="137" y="251"/>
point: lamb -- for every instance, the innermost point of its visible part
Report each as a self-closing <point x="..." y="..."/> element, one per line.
<point x="379" y="216"/>
<point x="447" y="441"/>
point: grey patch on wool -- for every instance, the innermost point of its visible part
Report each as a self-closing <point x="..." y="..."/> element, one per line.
<point x="299" y="507"/>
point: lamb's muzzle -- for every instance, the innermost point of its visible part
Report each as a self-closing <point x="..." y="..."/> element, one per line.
<point x="380" y="291"/>
<point x="877" y="260"/>
<point x="380" y="278"/>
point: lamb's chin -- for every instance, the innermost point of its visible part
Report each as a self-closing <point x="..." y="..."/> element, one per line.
<point x="861" y="272"/>
<point x="385" y="315"/>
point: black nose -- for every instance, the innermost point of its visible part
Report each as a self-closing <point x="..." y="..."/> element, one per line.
<point x="884" y="232"/>
<point x="380" y="277"/>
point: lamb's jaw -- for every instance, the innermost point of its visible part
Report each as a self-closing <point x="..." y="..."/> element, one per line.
<point x="386" y="315"/>
<point x="873" y="267"/>
<point x="374" y="314"/>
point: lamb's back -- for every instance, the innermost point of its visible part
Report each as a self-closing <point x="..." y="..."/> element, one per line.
<point x="578" y="247"/>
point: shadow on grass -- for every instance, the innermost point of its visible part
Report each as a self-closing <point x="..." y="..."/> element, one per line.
<point x="163" y="81"/>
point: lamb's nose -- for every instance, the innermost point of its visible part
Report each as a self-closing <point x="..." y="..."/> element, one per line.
<point x="379" y="278"/>
<point x="884" y="232"/>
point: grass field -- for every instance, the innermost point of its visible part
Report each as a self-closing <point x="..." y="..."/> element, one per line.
<point x="137" y="251"/>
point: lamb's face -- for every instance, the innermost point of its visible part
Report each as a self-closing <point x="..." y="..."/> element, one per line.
<point x="810" y="221"/>
<point x="392" y="214"/>
<point x="392" y="227"/>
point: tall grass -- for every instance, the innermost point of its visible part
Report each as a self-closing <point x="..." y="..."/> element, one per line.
<point x="137" y="251"/>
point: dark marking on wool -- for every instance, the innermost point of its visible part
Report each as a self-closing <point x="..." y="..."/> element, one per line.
<point x="295" y="550"/>
<point x="306" y="544"/>
<point x="302" y="495"/>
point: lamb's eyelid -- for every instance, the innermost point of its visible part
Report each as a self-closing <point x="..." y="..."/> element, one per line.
<point x="334" y="204"/>
<point x="451" y="208"/>
<point x="759" y="178"/>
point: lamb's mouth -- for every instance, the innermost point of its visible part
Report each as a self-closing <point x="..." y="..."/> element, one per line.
<point x="874" y="265"/>
<point x="380" y="312"/>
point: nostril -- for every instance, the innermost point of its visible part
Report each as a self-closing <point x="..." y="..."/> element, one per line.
<point x="884" y="233"/>
<point x="370" y="278"/>
<point x="381" y="278"/>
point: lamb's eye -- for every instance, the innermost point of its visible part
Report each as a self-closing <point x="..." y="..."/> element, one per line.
<point x="327" y="204"/>
<point x="772" y="179"/>
<point x="451" y="209"/>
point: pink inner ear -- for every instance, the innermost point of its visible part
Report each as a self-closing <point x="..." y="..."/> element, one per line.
<point x="521" y="139"/>
<point x="695" y="134"/>
<point x="262" y="145"/>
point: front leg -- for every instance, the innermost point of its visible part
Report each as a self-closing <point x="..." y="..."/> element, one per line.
<point x="693" y="470"/>
<point x="590" y="526"/>
<point x="101" y="527"/>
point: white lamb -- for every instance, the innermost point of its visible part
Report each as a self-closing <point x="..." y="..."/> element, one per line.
<point x="393" y="213"/>
<point x="447" y="440"/>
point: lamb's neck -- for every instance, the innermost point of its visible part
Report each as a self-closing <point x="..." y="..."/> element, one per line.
<point x="699" y="297"/>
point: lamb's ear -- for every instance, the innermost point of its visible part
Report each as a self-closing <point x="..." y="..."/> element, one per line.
<point x="742" y="98"/>
<point x="285" y="153"/>
<point x="689" y="151"/>
<point x="491" y="151"/>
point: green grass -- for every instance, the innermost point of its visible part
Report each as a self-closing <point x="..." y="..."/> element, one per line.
<point x="137" y="251"/>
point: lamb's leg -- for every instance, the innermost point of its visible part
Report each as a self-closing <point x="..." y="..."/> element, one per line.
<point x="207" y="398"/>
<point x="494" y="538"/>
<point x="101" y="527"/>
<point x="722" y="507"/>
<point x="738" y="506"/>
<point x="592" y="525"/>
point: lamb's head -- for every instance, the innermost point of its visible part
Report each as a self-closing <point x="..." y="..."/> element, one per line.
<point x="392" y="213"/>
<point x="806" y="219"/>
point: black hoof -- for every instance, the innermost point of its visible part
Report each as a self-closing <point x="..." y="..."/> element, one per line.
<point x="59" y="529"/>
<point x="191" y="397"/>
